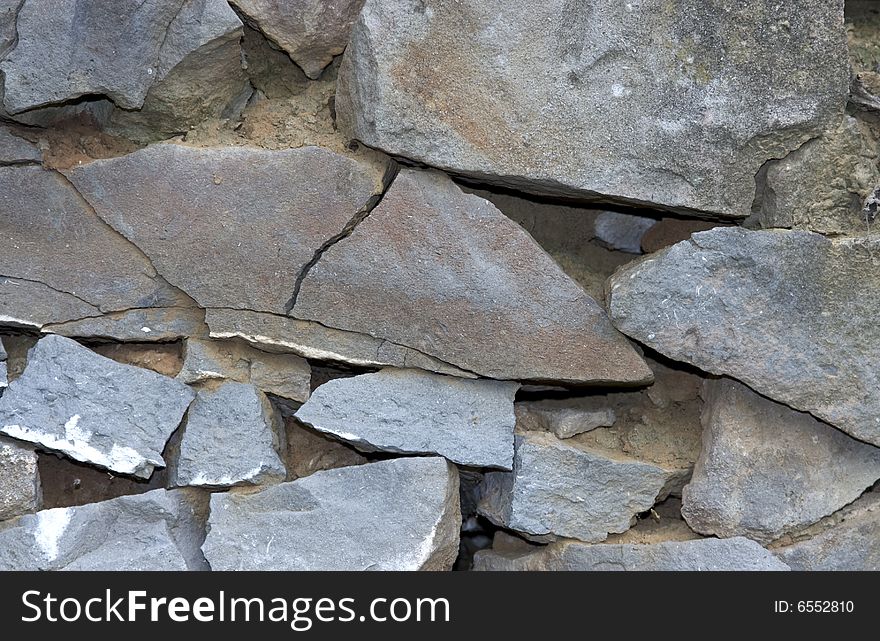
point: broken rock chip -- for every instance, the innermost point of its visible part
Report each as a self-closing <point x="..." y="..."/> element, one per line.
<point x="290" y="201"/>
<point x="683" y="556"/>
<point x="19" y="479"/>
<point x="312" y="32"/>
<point x="576" y="98"/>
<point x="157" y="530"/>
<point x="766" y="469"/>
<point x="328" y="521"/>
<point x="560" y="489"/>
<point x="14" y="149"/>
<point x="569" y="417"/>
<point x="74" y="401"/>
<point x="445" y="273"/>
<point x="232" y="436"/>
<point x="622" y="232"/>
<point x="159" y="324"/>
<point x="789" y="313"/>
<point x="470" y="422"/>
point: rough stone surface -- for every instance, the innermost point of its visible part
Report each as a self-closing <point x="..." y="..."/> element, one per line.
<point x="232" y="436"/>
<point x="684" y="556"/>
<point x="766" y="469"/>
<point x="672" y="103"/>
<point x="162" y="358"/>
<point x="848" y="540"/>
<point x="15" y="149"/>
<point x="566" y="419"/>
<point x="290" y="201"/>
<point x="158" y="530"/>
<point x="312" y="32"/>
<point x="92" y="409"/>
<point x="669" y="231"/>
<point x="309" y="452"/>
<point x="790" y="313"/>
<point x="283" y="375"/>
<point x="19" y="479"/>
<point x="622" y="231"/>
<point x="327" y="521"/>
<point x="446" y="273"/>
<point x="557" y="488"/>
<point x="8" y="13"/>
<point x="151" y="324"/>
<point x="412" y="412"/>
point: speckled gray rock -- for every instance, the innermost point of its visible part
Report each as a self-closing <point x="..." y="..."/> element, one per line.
<point x="411" y="412"/>
<point x="622" y="232"/>
<point x="153" y="324"/>
<point x="569" y="417"/>
<point x="290" y="201"/>
<point x="283" y="375"/>
<point x="19" y="479"/>
<point x="672" y="103"/>
<point x="312" y="32"/>
<point x="328" y="521"/>
<point x="157" y="530"/>
<point x="848" y="540"/>
<point x="15" y="149"/>
<point x="560" y="489"/>
<point x="447" y="274"/>
<point x="766" y="469"/>
<point x="95" y="410"/>
<point x="790" y="313"/>
<point x="232" y="436"/>
<point x="8" y="13"/>
<point x="683" y="556"/>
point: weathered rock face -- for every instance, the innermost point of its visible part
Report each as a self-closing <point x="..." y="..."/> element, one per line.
<point x="557" y="488"/>
<point x="312" y="32"/>
<point x="309" y="452"/>
<point x="675" y="104"/>
<point x="151" y="324"/>
<point x="19" y="479"/>
<point x="232" y="436"/>
<point x="446" y="274"/>
<point x="291" y="202"/>
<point x="848" y="540"/>
<point x="622" y="231"/>
<point x="327" y="521"/>
<point x="157" y="530"/>
<point x="568" y="418"/>
<point x="15" y="149"/>
<point x="411" y="412"/>
<point x="683" y="556"/>
<point x="92" y="409"/>
<point x="8" y="13"/>
<point x="789" y="313"/>
<point x="766" y="469"/>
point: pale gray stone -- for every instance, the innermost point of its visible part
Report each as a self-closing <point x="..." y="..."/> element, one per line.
<point x="153" y="324"/>
<point x="15" y="149"/>
<point x="622" y="232"/>
<point x="19" y="479"/>
<point x="8" y="13"/>
<point x="569" y="417"/>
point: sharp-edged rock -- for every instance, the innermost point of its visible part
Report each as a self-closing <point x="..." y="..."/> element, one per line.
<point x="158" y="324"/>
<point x="72" y="400"/>
<point x="567" y="418"/>
<point x="232" y="436"/>
<point x="766" y="469"/>
<point x="15" y="149"/>
<point x="327" y="521"/>
<point x="447" y="274"/>
<point x="19" y="479"/>
<point x="470" y="422"/>
<point x="790" y="313"/>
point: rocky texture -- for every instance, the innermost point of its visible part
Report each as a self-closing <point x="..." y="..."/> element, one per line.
<point x="327" y="521"/>
<point x="8" y="13"/>
<point x="92" y="409"/>
<point x="3" y="373"/>
<point x="411" y="412"/>
<point x="848" y="540"/>
<point x="66" y="483"/>
<point x="309" y="452"/>
<point x="312" y="32"/>
<point x="674" y="104"/>
<point x="684" y="556"/>
<point x="566" y="418"/>
<point x="622" y="231"/>
<point x="766" y="469"/>
<point x="212" y="192"/>
<point x="232" y="436"/>
<point x="669" y="231"/>
<point x="15" y="149"/>
<point x="158" y="530"/>
<point x="447" y="274"/>
<point x="789" y="313"/>
<point x="162" y="358"/>
<point x="19" y="479"/>
<point x="568" y="491"/>
<point x="282" y="375"/>
<point x="152" y="324"/>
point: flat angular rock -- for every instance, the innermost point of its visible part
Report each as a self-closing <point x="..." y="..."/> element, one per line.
<point x="67" y="49"/>
<point x="14" y="149"/>
<point x="19" y="479"/>
<point x="622" y="232"/>
<point x="673" y="104"/>
<point x="232" y="436"/>
<point x="159" y="324"/>
<point x="328" y="521"/>
<point x="411" y="412"/>
<point x="158" y="530"/>
<point x="568" y="418"/>
<point x="290" y="201"/>
<point x="789" y="313"/>
<point x="283" y="375"/>
<point x="766" y="469"/>
<point x="447" y="274"/>
<point x="312" y="32"/>
<point x="848" y="540"/>
<point x="74" y="401"/>
<point x="682" y="556"/>
<point x="563" y="490"/>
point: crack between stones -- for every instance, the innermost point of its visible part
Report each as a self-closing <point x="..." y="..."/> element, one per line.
<point x="54" y="289"/>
